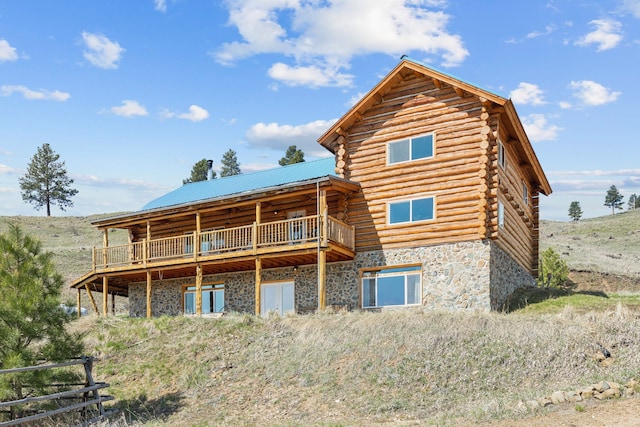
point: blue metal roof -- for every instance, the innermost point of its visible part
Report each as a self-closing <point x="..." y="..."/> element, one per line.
<point x="237" y="184"/>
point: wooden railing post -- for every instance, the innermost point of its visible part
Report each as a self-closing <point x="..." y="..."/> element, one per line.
<point x="196" y="245"/>
<point x="254" y="237"/>
<point x="145" y="252"/>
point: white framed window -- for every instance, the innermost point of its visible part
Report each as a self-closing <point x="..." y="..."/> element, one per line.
<point x="414" y="210"/>
<point x="390" y="287"/>
<point x="502" y="156"/>
<point x="500" y="214"/>
<point x="406" y="150"/>
<point x="212" y="299"/>
<point x="525" y="193"/>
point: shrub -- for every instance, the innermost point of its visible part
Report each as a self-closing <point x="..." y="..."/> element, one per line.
<point x="553" y="271"/>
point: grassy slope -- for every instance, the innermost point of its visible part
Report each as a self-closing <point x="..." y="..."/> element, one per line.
<point x="361" y="368"/>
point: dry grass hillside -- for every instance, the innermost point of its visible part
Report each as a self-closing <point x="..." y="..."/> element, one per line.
<point x="389" y="368"/>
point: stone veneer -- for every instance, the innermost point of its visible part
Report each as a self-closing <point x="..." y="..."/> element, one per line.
<point x="456" y="276"/>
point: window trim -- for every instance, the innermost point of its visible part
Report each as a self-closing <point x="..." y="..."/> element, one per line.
<point x="500" y="214"/>
<point x="525" y="193"/>
<point x="405" y="268"/>
<point x="209" y="286"/>
<point x="410" y="139"/>
<point x="502" y="154"/>
<point x="410" y="201"/>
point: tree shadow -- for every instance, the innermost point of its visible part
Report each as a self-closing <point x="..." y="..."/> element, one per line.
<point x="142" y="409"/>
<point x="526" y="296"/>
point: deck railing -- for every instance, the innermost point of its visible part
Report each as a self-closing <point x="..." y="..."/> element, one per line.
<point x="228" y="240"/>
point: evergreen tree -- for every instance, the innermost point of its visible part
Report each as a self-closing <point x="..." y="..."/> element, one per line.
<point x="553" y="269"/>
<point x="199" y="172"/>
<point x="46" y="182"/>
<point x="575" y="212"/>
<point x="230" y="165"/>
<point x="32" y="323"/>
<point x="613" y="199"/>
<point x="293" y="155"/>
<point x="634" y="202"/>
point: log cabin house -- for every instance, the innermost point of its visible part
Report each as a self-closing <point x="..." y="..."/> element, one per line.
<point x="429" y="198"/>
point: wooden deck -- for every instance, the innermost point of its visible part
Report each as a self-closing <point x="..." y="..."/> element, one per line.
<point x="268" y="239"/>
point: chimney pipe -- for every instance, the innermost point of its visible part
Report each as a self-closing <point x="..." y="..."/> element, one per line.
<point x="209" y="169"/>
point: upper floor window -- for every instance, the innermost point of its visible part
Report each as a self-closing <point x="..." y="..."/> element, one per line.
<point x="391" y="287"/>
<point x="411" y="210"/>
<point x="500" y="214"/>
<point x="502" y="156"/>
<point x="525" y="193"/>
<point x="415" y="148"/>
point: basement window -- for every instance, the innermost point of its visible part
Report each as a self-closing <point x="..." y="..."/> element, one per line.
<point x="212" y="299"/>
<point x="405" y="150"/>
<point x="392" y="287"/>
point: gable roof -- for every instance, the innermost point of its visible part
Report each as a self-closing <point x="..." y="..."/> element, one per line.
<point x="244" y="183"/>
<point x="328" y="139"/>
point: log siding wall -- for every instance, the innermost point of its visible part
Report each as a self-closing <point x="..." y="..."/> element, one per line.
<point x="414" y="107"/>
<point x="463" y="175"/>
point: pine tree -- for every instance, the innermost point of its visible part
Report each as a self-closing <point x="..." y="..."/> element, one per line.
<point x="553" y="269"/>
<point x="293" y="155"/>
<point x="32" y="323"/>
<point x="634" y="202"/>
<point x="230" y="165"/>
<point x="199" y="172"/>
<point x="575" y="212"/>
<point x="613" y="199"/>
<point x="46" y="182"/>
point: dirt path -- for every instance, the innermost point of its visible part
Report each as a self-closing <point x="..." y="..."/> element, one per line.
<point x="618" y="413"/>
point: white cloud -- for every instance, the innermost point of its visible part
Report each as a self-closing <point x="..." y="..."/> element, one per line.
<point x="279" y="137"/>
<point x="591" y="93"/>
<point x="547" y="30"/>
<point x="30" y="94"/>
<point x="322" y="37"/>
<point x="313" y="76"/>
<point x="538" y="129"/>
<point x="161" y="5"/>
<point x="195" y="114"/>
<point x="607" y="35"/>
<point x="7" y="52"/>
<point x="632" y="6"/>
<point x="527" y="93"/>
<point x="101" y="51"/>
<point x="129" y="108"/>
<point x="7" y="170"/>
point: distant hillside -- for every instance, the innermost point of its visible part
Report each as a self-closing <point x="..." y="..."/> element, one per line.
<point x="607" y="244"/>
<point x="70" y="238"/>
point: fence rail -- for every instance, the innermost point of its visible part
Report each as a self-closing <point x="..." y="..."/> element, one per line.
<point x="87" y="396"/>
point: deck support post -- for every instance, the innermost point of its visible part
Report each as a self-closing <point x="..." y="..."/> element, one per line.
<point x="79" y="303"/>
<point x="148" y="294"/>
<point x="105" y="296"/>
<point x="199" y="290"/>
<point x="258" y="283"/>
<point x="322" y="279"/>
<point x="93" y="301"/>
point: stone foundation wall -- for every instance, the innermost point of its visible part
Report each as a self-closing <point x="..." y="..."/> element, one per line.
<point x="454" y="276"/>
<point x="457" y="276"/>
<point x="506" y="276"/>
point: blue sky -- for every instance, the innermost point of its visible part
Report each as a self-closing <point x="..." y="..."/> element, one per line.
<point x="132" y="93"/>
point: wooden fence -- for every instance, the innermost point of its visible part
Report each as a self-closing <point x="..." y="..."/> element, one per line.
<point x="84" y="397"/>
